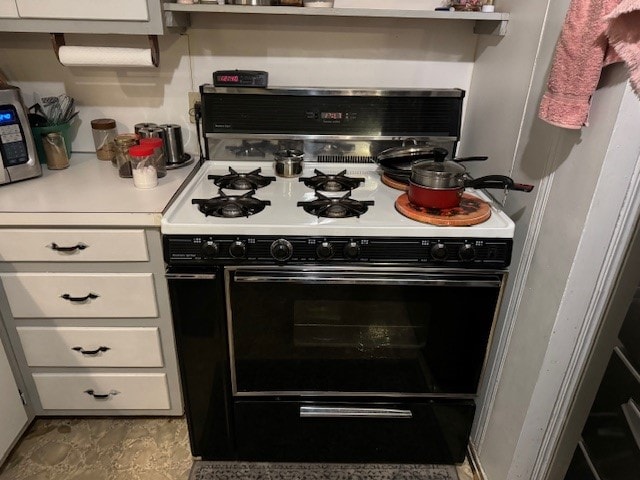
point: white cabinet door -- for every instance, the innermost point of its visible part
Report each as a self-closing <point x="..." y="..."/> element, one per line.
<point x="8" y="9"/>
<point x="84" y="9"/>
<point x="13" y="416"/>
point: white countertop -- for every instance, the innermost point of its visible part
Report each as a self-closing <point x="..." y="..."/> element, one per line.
<point x="88" y="193"/>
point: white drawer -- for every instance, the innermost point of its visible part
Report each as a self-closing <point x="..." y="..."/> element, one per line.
<point x="52" y="245"/>
<point x="91" y="347"/>
<point x="73" y="295"/>
<point x="98" y="391"/>
<point x="84" y="9"/>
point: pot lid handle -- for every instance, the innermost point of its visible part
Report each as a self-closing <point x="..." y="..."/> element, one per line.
<point x="440" y="154"/>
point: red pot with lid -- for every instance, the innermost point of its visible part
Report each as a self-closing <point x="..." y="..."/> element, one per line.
<point x="441" y="183"/>
<point x="397" y="162"/>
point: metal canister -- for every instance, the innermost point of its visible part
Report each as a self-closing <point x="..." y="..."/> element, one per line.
<point x="174" y="148"/>
<point x="138" y="126"/>
<point x="153" y="132"/>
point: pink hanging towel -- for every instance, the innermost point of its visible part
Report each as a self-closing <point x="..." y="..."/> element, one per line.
<point x="623" y="31"/>
<point x="583" y="49"/>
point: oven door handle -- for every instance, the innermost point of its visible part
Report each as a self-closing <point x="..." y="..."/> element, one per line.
<point x="353" y="412"/>
<point x="361" y="278"/>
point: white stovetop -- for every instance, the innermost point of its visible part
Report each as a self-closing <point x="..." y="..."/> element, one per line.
<point x="284" y="217"/>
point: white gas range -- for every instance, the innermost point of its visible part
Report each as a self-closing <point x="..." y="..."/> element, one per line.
<point x="339" y="133"/>
<point x="349" y="333"/>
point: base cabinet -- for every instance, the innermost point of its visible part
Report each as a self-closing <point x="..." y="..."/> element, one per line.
<point x="91" y="327"/>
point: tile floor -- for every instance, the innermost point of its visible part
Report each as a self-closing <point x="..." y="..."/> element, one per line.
<point x="109" y="449"/>
<point x="101" y="449"/>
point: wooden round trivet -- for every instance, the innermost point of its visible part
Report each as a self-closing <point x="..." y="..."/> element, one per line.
<point x="390" y="182"/>
<point x="471" y="211"/>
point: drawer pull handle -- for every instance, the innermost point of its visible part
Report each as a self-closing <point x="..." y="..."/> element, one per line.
<point x="91" y="296"/>
<point x="75" y="248"/>
<point x="91" y="352"/>
<point x="101" y="396"/>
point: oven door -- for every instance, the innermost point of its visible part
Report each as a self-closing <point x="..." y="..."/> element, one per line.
<point x="358" y="331"/>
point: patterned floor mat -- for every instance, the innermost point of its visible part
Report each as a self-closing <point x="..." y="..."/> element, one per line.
<point x="203" y="470"/>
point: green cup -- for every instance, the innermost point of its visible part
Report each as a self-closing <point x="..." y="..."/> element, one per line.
<point x="39" y="132"/>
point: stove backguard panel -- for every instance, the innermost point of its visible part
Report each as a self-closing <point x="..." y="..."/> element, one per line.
<point x="314" y="120"/>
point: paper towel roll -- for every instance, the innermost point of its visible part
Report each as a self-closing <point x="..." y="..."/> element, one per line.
<point x="105" y="56"/>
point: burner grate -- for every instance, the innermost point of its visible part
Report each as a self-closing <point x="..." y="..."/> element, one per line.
<point x="231" y="206"/>
<point x="332" y="183"/>
<point x="336" y="207"/>
<point x="241" y="181"/>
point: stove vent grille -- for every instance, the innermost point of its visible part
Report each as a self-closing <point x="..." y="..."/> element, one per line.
<point x="345" y="159"/>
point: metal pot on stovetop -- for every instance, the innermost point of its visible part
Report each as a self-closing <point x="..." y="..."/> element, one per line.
<point x="440" y="183"/>
<point x="288" y="162"/>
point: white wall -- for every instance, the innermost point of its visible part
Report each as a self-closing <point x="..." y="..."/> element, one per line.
<point x="299" y="51"/>
<point x="565" y="166"/>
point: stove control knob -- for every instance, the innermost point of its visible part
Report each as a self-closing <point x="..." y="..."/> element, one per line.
<point x="439" y="251"/>
<point x="467" y="252"/>
<point x="238" y="249"/>
<point x="281" y="250"/>
<point x="210" y="249"/>
<point x="352" y="250"/>
<point x="324" y="251"/>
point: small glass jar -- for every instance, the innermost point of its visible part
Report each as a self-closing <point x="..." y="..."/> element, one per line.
<point x="144" y="172"/>
<point x="104" y="134"/>
<point x="56" y="151"/>
<point x="159" y="159"/>
<point x="123" y="142"/>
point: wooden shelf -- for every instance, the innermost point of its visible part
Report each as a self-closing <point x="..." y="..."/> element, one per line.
<point x="486" y="23"/>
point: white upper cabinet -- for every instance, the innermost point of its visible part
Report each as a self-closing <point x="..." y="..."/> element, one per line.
<point x="8" y="9"/>
<point x="139" y="17"/>
<point x="84" y="9"/>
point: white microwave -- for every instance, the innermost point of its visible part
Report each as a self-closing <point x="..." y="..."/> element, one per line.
<point x="17" y="149"/>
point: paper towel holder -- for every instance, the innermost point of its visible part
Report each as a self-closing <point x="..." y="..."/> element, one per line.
<point x="58" y="40"/>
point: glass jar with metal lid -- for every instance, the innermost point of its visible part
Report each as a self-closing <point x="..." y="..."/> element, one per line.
<point x="123" y="142"/>
<point x="104" y="134"/>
